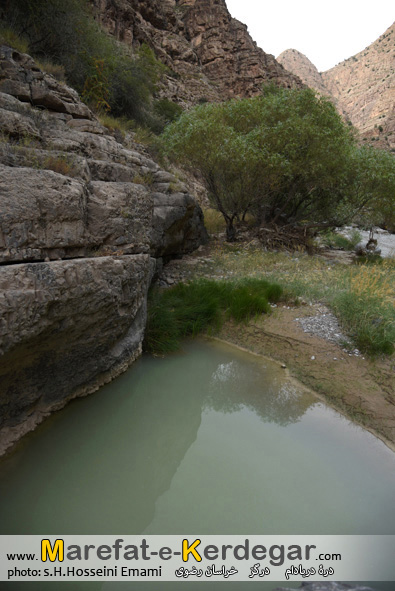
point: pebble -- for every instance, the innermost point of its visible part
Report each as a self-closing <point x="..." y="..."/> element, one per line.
<point x="325" y="326"/>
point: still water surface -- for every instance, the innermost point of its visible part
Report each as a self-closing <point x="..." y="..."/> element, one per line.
<point x="210" y="440"/>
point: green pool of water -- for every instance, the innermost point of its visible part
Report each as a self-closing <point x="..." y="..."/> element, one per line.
<point x="209" y="440"/>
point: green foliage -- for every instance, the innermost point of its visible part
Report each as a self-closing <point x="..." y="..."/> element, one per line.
<point x="167" y="110"/>
<point x="372" y="186"/>
<point x="281" y="155"/>
<point x="11" y="38"/>
<point x="96" y="91"/>
<point x="369" y="321"/>
<point x="189" y="309"/>
<point x="104" y="71"/>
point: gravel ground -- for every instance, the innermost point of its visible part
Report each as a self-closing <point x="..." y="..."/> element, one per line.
<point x="325" y="325"/>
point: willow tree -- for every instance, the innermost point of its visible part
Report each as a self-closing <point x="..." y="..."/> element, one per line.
<point x="282" y="155"/>
<point x="372" y="187"/>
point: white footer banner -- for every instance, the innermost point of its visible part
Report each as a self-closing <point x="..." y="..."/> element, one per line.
<point x="197" y="558"/>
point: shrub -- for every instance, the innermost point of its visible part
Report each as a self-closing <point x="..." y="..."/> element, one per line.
<point x="96" y="90"/>
<point x="167" y="110"/>
<point x="189" y="309"/>
<point x="9" y="37"/>
<point x="96" y="65"/>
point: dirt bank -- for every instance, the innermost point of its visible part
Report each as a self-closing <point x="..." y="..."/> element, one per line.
<point x="361" y="388"/>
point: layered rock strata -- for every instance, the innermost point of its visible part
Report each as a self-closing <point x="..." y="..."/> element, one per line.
<point x="83" y="218"/>
<point x="210" y="55"/>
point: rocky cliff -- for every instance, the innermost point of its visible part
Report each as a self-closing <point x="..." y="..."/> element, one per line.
<point x="362" y="87"/>
<point x="211" y="55"/>
<point x="83" y="219"/>
<point x="296" y="62"/>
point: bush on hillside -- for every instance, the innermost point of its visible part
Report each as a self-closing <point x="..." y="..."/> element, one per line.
<point x="105" y="72"/>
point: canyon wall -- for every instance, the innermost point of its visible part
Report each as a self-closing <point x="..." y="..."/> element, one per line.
<point x="84" y="218"/>
<point x="362" y="87"/>
<point x="210" y="55"/>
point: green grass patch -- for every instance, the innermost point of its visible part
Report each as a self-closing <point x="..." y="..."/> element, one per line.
<point x="191" y="308"/>
<point x="368" y="320"/>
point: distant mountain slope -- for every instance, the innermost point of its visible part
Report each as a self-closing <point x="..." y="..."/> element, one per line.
<point x="296" y="62"/>
<point x="363" y="86"/>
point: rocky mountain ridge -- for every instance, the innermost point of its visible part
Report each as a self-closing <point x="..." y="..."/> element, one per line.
<point x="210" y="55"/>
<point x="362" y="87"/>
<point x="295" y="61"/>
<point x="85" y="219"/>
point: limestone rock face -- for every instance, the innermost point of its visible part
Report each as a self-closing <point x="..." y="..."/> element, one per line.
<point x="211" y="56"/>
<point x="176" y="220"/>
<point x="296" y="62"/>
<point x="362" y="87"/>
<point x="22" y="78"/>
<point x="83" y="217"/>
<point x="227" y="53"/>
<point x="67" y="328"/>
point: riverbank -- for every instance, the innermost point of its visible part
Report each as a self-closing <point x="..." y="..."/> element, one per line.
<point x="360" y="388"/>
<point x="302" y="333"/>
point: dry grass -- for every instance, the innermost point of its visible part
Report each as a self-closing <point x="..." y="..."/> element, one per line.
<point x="362" y="296"/>
<point x="55" y="70"/>
<point x="60" y="165"/>
<point x="12" y="39"/>
<point x="115" y="123"/>
<point x="379" y="280"/>
<point x="214" y="221"/>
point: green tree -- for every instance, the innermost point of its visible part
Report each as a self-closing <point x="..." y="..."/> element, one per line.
<point x="372" y="187"/>
<point x="281" y="156"/>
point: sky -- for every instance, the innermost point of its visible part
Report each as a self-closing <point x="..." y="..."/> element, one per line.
<point x="326" y="32"/>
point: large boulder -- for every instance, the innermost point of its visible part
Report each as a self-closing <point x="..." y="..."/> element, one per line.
<point x="67" y="328"/>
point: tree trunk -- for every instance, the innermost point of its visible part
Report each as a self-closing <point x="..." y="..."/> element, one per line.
<point x="230" y="231"/>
